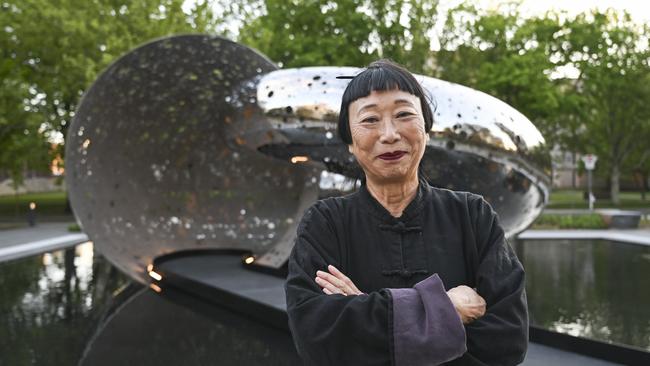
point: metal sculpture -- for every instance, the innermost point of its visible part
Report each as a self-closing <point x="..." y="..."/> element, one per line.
<point x="199" y="142"/>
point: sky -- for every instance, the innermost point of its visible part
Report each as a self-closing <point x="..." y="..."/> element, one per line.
<point x="640" y="9"/>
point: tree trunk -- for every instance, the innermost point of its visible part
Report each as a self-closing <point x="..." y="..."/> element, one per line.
<point x="16" y="204"/>
<point x="614" y="186"/>
<point x="573" y="170"/>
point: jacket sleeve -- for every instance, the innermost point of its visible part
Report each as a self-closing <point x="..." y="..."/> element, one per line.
<point x="500" y="337"/>
<point x="365" y="329"/>
<point x="331" y="329"/>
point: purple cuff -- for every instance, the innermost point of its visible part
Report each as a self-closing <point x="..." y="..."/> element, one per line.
<point x="426" y="328"/>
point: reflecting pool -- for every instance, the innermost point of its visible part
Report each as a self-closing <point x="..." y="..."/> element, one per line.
<point x="51" y="303"/>
<point x="71" y="307"/>
<point x="590" y="288"/>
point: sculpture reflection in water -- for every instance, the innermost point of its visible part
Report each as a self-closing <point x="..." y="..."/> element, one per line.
<point x="146" y="329"/>
<point x="199" y="142"/>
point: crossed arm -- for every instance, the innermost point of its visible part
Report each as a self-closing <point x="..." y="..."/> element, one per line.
<point x="468" y="303"/>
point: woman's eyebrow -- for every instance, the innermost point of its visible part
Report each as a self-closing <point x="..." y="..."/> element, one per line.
<point x="397" y="101"/>
<point x="367" y="106"/>
<point x="404" y="101"/>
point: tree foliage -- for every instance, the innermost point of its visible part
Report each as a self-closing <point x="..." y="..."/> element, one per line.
<point x="21" y="144"/>
<point x="507" y="56"/>
<point x="612" y="55"/>
<point x="583" y="80"/>
<point x="53" y="50"/>
<point x="341" y="33"/>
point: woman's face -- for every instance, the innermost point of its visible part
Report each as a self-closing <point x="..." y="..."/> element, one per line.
<point x="388" y="136"/>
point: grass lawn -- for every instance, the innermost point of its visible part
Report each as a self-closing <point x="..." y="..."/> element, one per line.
<point x="550" y="221"/>
<point x="48" y="203"/>
<point x="573" y="199"/>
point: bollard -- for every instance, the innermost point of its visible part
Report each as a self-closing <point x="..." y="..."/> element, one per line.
<point x="31" y="214"/>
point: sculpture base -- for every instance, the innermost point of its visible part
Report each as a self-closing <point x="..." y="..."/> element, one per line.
<point x="222" y="278"/>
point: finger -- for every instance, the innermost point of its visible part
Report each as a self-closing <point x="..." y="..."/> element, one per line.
<point x="328" y="292"/>
<point x="340" y="275"/>
<point x="319" y="281"/>
<point x="476" y="303"/>
<point x="476" y="313"/>
<point x="332" y="288"/>
<point x="331" y="279"/>
<point x="335" y="271"/>
<point x="322" y="282"/>
<point x="337" y="289"/>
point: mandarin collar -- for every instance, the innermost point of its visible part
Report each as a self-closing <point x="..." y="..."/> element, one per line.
<point x="410" y="212"/>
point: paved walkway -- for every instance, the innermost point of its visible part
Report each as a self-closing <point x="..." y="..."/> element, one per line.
<point x="584" y="211"/>
<point x="22" y="242"/>
<point x="632" y="236"/>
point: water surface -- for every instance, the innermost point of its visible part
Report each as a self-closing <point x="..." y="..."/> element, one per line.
<point x="51" y="303"/>
<point x="590" y="288"/>
<point x="72" y="307"/>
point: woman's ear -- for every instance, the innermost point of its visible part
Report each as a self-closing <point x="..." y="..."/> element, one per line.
<point x="350" y="148"/>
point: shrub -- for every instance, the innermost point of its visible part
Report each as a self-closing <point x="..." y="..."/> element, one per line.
<point x="552" y="221"/>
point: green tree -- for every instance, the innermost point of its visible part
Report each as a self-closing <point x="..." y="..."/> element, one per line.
<point x="639" y="165"/>
<point x="505" y="55"/>
<point x="598" y="108"/>
<point x="53" y="51"/>
<point x="22" y="145"/>
<point x="340" y="33"/>
<point x="611" y="53"/>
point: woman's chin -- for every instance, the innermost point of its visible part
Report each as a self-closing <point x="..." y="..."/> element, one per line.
<point x="393" y="176"/>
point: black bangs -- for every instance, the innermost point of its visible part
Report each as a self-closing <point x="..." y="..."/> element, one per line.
<point x="377" y="79"/>
<point x="380" y="75"/>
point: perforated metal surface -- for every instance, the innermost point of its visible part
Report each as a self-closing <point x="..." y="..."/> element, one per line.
<point x="196" y="141"/>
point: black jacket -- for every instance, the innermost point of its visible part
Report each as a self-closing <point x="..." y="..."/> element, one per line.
<point x="455" y="235"/>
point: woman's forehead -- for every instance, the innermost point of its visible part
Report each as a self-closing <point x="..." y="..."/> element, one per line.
<point x="385" y="98"/>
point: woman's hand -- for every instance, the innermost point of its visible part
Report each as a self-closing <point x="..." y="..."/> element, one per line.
<point x="468" y="303"/>
<point x="336" y="282"/>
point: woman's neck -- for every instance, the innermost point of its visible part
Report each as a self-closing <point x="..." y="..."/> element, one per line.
<point x="394" y="196"/>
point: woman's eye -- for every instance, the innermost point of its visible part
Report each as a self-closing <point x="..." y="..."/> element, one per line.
<point x="404" y="114"/>
<point x="369" y="120"/>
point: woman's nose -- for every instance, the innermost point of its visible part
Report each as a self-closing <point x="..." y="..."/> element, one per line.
<point x="389" y="132"/>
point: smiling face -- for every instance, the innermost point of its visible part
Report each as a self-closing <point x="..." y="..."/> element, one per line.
<point x="388" y="135"/>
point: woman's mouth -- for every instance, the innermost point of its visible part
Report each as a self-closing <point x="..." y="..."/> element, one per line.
<point x="394" y="155"/>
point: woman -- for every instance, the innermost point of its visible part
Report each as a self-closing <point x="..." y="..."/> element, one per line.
<point x="387" y="275"/>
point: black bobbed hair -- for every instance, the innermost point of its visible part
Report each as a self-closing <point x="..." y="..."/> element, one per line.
<point x="381" y="75"/>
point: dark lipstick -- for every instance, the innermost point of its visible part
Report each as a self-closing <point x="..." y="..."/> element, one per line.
<point x="394" y="155"/>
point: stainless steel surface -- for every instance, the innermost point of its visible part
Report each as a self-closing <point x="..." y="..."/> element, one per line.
<point x="196" y="141"/>
<point x="478" y="143"/>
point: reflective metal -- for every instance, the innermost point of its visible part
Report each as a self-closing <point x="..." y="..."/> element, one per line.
<point x="199" y="142"/>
